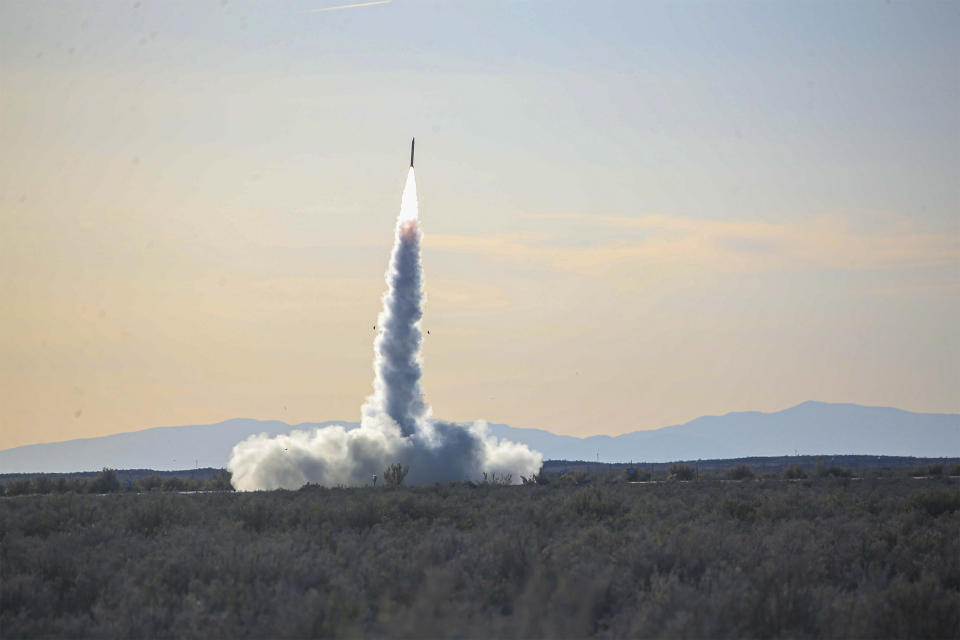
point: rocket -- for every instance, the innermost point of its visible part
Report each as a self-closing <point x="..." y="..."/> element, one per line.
<point x="412" y="140"/>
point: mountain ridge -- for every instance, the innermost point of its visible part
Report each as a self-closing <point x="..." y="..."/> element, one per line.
<point x="810" y="428"/>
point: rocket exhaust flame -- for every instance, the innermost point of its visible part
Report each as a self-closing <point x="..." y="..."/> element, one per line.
<point x="409" y="206"/>
<point x="395" y="424"/>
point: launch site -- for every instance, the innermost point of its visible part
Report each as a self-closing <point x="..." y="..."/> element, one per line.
<point x="653" y="337"/>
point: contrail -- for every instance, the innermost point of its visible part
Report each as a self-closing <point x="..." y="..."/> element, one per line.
<point x="395" y="424"/>
<point x="350" y="6"/>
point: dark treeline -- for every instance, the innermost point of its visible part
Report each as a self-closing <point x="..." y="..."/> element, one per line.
<point x="771" y="464"/>
<point x="580" y="472"/>
<point x="572" y="556"/>
<point x="792" y="467"/>
<point x="111" y="481"/>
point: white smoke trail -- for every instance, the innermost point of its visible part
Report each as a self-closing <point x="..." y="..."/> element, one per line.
<point x="397" y="370"/>
<point x="356" y="5"/>
<point x="395" y="425"/>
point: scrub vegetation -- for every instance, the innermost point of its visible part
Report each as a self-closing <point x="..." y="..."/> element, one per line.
<point x="112" y="481"/>
<point x="580" y="555"/>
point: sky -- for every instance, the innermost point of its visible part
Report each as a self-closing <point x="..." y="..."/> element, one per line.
<point x="634" y="213"/>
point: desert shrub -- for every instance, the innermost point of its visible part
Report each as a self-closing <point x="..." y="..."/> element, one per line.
<point x="613" y="477"/>
<point x="19" y="487"/>
<point x="394" y="475"/>
<point x="919" y="609"/>
<point x="936" y="501"/>
<point x="105" y="482"/>
<point x="738" y="509"/>
<point x="496" y="478"/>
<point x="257" y="513"/>
<point x="834" y="472"/>
<point x="363" y="515"/>
<point x="42" y="484"/>
<point x="712" y="559"/>
<point x="538" y="478"/>
<point x="794" y="472"/>
<point x="149" y="483"/>
<point x="173" y="483"/>
<point x="221" y="481"/>
<point x="740" y="472"/>
<point x="637" y="475"/>
<point x="72" y="485"/>
<point x="575" y="477"/>
<point x="155" y="513"/>
<point x="935" y="470"/>
<point x="681" y="472"/>
<point x="595" y="503"/>
<point x="41" y="523"/>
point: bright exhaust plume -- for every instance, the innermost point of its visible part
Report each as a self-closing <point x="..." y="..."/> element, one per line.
<point x="409" y="207"/>
<point x="395" y="422"/>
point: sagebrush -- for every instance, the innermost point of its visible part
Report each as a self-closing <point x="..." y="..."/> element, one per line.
<point x="819" y="557"/>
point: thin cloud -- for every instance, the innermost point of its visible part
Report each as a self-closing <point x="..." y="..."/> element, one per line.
<point x="825" y="242"/>
<point x="350" y="6"/>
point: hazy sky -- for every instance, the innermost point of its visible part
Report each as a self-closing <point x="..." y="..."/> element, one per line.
<point x="634" y="213"/>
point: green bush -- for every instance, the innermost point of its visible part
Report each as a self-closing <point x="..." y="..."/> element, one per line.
<point x="681" y="472"/>
<point x="43" y="484"/>
<point x="156" y="513"/>
<point x="794" y="472"/>
<point x="394" y="475"/>
<point x="257" y="513"/>
<point x="705" y="560"/>
<point x="496" y="479"/>
<point x="834" y="472"/>
<point x="937" y="502"/>
<point x="105" y="482"/>
<point x="19" y="487"/>
<point x="738" y="509"/>
<point x="173" y="483"/>
<point x="221" y="481"/>
<point x="740" y="472"/>
<point x="595" y="503"/>
<point x="538" y="478"/>
<point x="149" y="483"/>
<point x="575" y="477"/>
<point x="632" y="474"/>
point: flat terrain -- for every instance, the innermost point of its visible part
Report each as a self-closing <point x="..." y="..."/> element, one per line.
<point x="580" y="556"/>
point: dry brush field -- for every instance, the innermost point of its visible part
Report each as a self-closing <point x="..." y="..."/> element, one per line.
<point x="581" y="557"/>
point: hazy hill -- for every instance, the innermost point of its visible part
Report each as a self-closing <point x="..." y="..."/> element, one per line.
<point x="810" y="428"/>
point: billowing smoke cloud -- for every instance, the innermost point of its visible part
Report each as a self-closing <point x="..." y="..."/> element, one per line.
<point x="395" y="424"/>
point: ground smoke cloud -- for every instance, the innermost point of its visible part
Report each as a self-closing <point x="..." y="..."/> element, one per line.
<point x="395" y="424"/>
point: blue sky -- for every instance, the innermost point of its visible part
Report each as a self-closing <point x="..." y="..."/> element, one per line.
<point x="635" y="213"/>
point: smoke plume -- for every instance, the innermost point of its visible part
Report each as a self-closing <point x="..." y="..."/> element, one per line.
<point x="395" y="424"/>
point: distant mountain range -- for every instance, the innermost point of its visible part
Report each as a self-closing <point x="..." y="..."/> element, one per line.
<point x="811" y="428"/>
